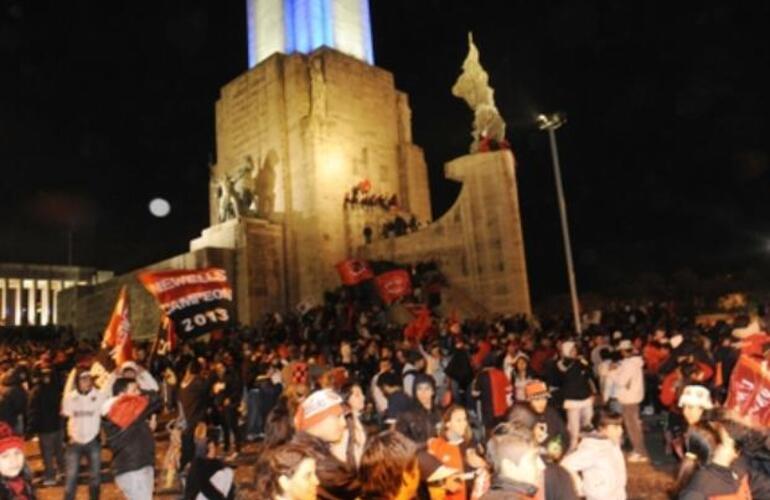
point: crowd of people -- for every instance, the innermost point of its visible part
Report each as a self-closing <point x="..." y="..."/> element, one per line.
<point x="343" y="405"/>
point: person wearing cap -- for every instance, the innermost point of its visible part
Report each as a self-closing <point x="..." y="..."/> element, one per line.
<point x="14" y="484"/>
<point x="550" y="430"/>
<point x="574" y="378"/>
<point x="81" y="405"/>
<point x="320" y="423"/>
<point x="44" y="411"/>
<point x="627" y="382"/>
<point x="694" y="401"/>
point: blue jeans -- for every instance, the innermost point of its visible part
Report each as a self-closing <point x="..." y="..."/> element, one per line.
<point x="72" y="459"/>
<point x="254" y="422"/>
<point x="52" y="447"/>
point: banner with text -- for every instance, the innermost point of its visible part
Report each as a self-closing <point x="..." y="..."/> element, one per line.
<point x="749" y="393"/>
<point x="198" y="301"/>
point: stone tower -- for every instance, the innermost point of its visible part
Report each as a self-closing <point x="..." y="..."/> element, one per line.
<point x="329" y="119"/>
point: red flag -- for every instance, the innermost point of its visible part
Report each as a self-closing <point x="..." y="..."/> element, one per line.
<point x="419" y="327"/>
<point x="393" y="285"/>
<point x="749" y="393"/>
<point x="117" y="335"/>
<point x="354" y="271"/>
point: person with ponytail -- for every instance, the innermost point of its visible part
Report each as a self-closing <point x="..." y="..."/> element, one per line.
<point x="707" y="471"/>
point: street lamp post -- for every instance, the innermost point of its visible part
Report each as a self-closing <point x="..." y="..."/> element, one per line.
<point x="551" y="123"/>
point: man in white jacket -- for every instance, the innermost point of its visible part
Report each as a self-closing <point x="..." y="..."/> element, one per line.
<point x="627" y="383"/>
<point x="81" y="404"/>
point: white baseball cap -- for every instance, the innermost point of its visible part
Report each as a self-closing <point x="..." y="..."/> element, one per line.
<point x="696" y="395"/>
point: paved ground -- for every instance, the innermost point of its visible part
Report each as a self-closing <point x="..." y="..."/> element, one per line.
<point x="645" y="481"/>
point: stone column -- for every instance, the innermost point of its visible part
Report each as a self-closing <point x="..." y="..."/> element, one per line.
<point x="45" y="301"/>
<point x="15" y="284"/>
<point x="29" y="285"/>
<point x="56" y="287"/>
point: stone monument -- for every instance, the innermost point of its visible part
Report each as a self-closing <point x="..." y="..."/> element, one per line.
<point x="314" y="161"/>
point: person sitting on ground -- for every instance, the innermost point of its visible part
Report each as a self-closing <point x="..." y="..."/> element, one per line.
<point x="14" y="483"/>
<point x="597" y="465"/>
<point x="389" y="468"/>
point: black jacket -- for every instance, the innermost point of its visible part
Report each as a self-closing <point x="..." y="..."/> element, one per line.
<point x="44" y="410"/>
<point x="13" y="398"/>
<point x="574" y="380"/>
<point x="398" y="403"/>
<point x="419" y="424"/>
<point x="132" y="444"/>
<point x="714" y="480"/>
<point x="194" y="398"/>
<point x="338" y="481"/>
<point x="555" y="427"/>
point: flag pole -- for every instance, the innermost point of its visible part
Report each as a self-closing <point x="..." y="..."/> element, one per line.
<point x="155" y="343"/>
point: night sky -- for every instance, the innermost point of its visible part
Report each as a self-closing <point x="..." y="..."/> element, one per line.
<point x="107" y="104"/>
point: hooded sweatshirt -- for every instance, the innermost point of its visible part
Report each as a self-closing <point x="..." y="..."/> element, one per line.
<point x="627" y="381"/>
<point x="601" y="464"/>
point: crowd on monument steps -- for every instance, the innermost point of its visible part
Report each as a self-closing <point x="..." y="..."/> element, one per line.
<point x="346" y="404"/>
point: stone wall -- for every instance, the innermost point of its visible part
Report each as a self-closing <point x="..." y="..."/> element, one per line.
<point x="478" y="242"/>
<point x="333" y="121"/>
<point x="258" y="271"/>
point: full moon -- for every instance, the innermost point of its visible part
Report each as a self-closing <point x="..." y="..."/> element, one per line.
<point x="160" y="207"/>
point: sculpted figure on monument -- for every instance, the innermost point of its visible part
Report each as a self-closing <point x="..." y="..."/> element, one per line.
<point x="265" y="185"/>
<point x="229" y="205"/>
<point x="473" y="87"/>
<point x="317" y="89"/>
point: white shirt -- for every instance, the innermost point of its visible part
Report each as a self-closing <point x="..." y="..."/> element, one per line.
<point x="84" y="414"/>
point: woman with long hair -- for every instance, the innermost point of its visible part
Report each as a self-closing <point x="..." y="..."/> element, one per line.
<point x="455" y="448"/>
<point x="707" y="469"/>
<point x="351" y="447"/>
<point x="422" y="422"/>
<point x="286" y="473"/>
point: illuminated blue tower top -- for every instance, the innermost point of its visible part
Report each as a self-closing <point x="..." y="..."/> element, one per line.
<point x="304" y="25"/>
